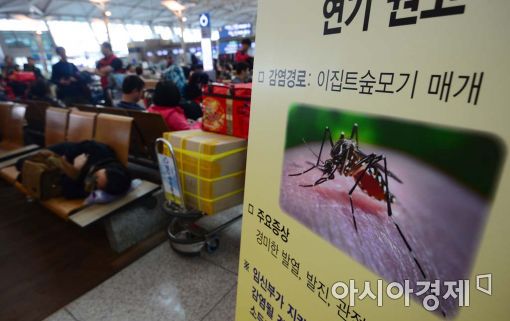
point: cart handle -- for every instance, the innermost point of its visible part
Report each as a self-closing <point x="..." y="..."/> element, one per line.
<point x="160" y="142"/>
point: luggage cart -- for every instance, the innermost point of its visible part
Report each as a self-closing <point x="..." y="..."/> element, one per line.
<point x="185" y="234"/>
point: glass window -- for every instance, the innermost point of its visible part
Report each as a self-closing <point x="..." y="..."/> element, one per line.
<point x="139" y="32"/>
<point x="26" y="39"/>
<point x="99" y="30"/>
<point x="164" y="32"/>
<point x="77" y="37"/>
<point x="120" y="38"/>
<point x="9" y="38"/>
<point x="47" y="42"/>
<point x="26" y="24"/>
<point x="177" y="33"/>
<point x="215" y="35"/>
<point x="192" y="35"/>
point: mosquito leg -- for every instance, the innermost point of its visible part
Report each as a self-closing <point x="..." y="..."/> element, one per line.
<point x="346" y="159"/>
<point x="371" y="159"/>
<point x="304" y="172"/>
<point x="321" y="167"/>
<point x="390" y="215"/>
<point x="388" y="201"/>
<point x="329" y="136"/>
<point x="390" y="174"/>
<point x="354" y="133"/>
<point x="322" y="145"/>
<point x="358" y="164"/>
<point x="326" y="177"/>
<point x="326" y="132"/>
<point x="353" y="217"/>
<point x="318" y="182"/>
<point x="310" y="163"/>
<point x="311" y="150"/>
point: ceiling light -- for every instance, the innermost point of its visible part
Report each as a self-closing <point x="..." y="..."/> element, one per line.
<point x="108" y="13"/>
<point x="173" y="5"/>
<point x="101" y="4"/>
<point x="184" y="19"/>
<point x="99" y="1"/>
<point x="20" y="17"/>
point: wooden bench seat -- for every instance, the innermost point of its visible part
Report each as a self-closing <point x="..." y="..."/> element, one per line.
<point x="81" y="126"/>
<point x="77" y="126"/>
<point x="6" y="146"/>
<point x="75" y="209"/>
<point x="35" y="121"/>
<point x="12" y="122"/>
<point x="63" y="207"/>
<point x="10" y="153"/>
<point x="95" y="212"/>
<point x="9" y="174"/>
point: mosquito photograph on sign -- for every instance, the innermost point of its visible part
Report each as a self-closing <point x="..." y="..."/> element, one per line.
<point x="407" y="200"/>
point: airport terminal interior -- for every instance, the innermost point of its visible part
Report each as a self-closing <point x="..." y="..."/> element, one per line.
<point x="114" y="205"/>
<point x="254" y="160"/>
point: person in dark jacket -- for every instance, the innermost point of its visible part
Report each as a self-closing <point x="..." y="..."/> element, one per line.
<point x="193" y="90"/>
<point x="66" y="76"/>
<point x="191" y="102"/>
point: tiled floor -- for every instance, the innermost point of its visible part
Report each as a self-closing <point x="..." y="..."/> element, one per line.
<point x="163" y="285"/>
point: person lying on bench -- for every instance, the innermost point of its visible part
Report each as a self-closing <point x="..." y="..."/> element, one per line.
<point x="86" y="166"/>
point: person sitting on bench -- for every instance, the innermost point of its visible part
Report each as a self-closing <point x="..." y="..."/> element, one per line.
<point x="40" y="90"/>
<point x="132" y="92"/>
<point x="86" y="166"/>
<point x="166" y="102"/>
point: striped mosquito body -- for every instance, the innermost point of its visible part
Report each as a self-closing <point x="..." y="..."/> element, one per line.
<point x="369" y="172"/>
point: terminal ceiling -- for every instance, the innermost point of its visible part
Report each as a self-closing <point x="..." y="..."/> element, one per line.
<point x="152" y="12"/>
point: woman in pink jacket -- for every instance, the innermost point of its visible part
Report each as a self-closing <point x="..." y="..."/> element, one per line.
<point x="166" y="102"/>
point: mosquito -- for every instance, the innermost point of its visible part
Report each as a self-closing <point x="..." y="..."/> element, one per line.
<point x="370" y="172"/>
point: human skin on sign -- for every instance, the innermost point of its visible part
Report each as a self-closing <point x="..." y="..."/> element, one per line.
<point x="439" y="218"/>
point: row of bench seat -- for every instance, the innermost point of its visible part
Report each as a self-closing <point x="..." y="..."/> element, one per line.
<point x="35" y="118"/>
<point x="63" y="125"/>
<point x="12" y="124"/>
<point x="12" y="120"/>
<point x="147" y="127"/>
<point x="31" y="128"/>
